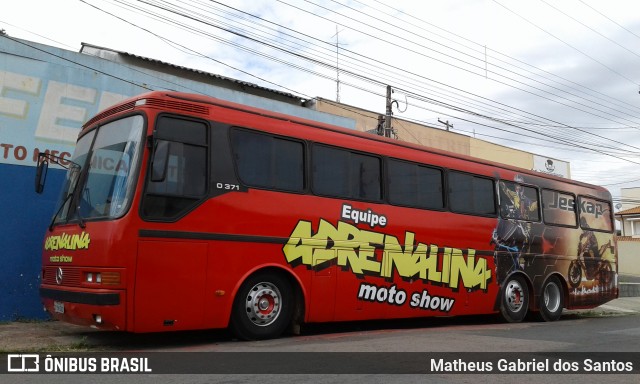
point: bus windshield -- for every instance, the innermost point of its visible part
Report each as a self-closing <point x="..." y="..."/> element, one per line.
<point x="102" y="188"/>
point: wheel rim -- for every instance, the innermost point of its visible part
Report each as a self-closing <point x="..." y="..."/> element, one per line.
<point x="263" y="304"/>
<point x="551" y="297"/>
<point x="514" y="296"/>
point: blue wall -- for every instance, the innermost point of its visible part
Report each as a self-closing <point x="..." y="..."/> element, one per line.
<point x="23" y="225"/>
<point x="46" y="94"/>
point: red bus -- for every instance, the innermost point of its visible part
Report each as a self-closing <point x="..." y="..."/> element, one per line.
<point x="182" y="212"/>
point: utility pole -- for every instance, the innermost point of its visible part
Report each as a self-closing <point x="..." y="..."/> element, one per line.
<point x="384" y="127"/>
<point x="387" y="120"/>
<point x="445" y="123"/>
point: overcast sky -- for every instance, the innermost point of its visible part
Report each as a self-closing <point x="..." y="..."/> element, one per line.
<point x="556" y="78"/>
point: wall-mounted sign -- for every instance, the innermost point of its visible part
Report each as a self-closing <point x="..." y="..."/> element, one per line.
<point x="551" y="166"/>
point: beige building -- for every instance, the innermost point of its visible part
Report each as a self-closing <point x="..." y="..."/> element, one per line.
<point x="630" y="198"/>
<point x="629" y="242"/>
<point x="440" y="138"/>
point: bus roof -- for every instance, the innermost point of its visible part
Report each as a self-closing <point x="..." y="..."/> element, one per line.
<point x="131" y="103"/>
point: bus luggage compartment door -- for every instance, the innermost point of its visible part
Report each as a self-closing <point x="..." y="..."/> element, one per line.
<point x="170" y="285"/>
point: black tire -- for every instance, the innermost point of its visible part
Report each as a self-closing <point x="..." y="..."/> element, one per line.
<point x="262" y="308"/>
<point x="575" y="274"/>
<point x="514" y="299"/>
<point x="551" y="300"/>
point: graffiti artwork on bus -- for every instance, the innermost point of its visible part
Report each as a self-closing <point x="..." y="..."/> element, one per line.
<point x="367" y="252"/>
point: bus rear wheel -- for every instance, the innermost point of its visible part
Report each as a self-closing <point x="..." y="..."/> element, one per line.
<point x="262" y="308"/>
<point x="514" y="300"/>
<point x="551" y="301"/>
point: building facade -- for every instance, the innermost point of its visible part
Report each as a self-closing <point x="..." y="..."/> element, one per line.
<point x="629" y="241"/>
<point x="629" y="222"/>
<point x="439" y="138"/>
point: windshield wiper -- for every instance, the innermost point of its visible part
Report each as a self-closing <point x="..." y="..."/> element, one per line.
<point x="75" y="168"/>
<point x="81" y="221"/>
<point x="41" y="175"/>
<point x="53" y="219"/>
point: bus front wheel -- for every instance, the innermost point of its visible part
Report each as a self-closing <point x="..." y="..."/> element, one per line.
<point x="551" y="300"/>
<point x="514" y="300"/>
<point x="262" y="308"/>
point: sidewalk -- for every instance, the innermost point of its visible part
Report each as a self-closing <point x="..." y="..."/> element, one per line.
<point x="619" y="306"/>
<point x="55" y="336"/>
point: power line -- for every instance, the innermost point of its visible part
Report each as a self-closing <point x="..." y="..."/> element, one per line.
<point x="611" y="20"/>
<point x="484" y="49"/>
<point x="566" y="101"/>
<point x="301" y="56"/>
<point x="593" y="30"/>
<point x="569" y="45"/>
<point x="36" y="34"/>
<point x="76" y="63"/>
<point x="583" y="131"/>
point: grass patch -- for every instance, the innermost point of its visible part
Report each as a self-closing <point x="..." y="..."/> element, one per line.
<point x="79" y="346"/>
<point x="27" y="320"/>
<point x="592" y="314"/>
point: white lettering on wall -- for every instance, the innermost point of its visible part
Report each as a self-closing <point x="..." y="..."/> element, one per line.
<point x="12" y="81"/>
<point x="44" y="116"/>
<point x="58" y="113"/>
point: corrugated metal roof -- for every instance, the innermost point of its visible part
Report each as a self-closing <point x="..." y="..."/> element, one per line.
<point x="219" y="77"/>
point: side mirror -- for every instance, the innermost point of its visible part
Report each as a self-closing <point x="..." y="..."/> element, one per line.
<point x="160" y="161"/>
<point x="41" y="173"/>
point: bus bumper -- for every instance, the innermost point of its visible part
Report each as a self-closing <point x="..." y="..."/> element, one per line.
<point x="97" y="308"/>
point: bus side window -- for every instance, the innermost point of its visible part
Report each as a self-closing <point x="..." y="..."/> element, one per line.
<point x="559" y="208"/>
<point x="415" y="185"/>
<point x="184" y="171"/>
<point x="177" y="178"/>
<point x="595" y="214"/>
<point x="339" y="172"/>
<point x="518" y="202"/>
<point x="270" y="162"/>
<point x="471" y="194"/>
